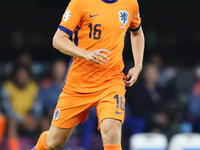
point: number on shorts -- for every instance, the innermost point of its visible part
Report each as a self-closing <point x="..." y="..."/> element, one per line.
<point x="121" y="103"/>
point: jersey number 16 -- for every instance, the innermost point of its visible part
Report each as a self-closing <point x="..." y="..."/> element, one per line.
<point x="96" y="32"/>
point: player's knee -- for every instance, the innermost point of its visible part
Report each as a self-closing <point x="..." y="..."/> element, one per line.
<point x="53" y="144"/>
<point x="111" y="131"/>
<point x="111" y="136"/>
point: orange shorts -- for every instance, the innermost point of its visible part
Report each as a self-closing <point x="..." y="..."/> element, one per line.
<point x="73" y="107"/>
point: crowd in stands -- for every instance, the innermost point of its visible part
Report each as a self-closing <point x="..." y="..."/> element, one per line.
<point x="165" y="99"/>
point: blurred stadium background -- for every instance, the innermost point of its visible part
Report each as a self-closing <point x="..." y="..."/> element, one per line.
<point x="172" y="63"/>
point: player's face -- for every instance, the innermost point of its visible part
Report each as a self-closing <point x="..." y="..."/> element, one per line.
<point x="22" y="78"/>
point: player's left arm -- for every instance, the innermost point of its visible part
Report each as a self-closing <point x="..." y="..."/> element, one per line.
<point x="137" y="43"/>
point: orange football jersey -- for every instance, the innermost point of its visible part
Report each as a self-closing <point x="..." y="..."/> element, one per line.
<point x="98" y="24"/>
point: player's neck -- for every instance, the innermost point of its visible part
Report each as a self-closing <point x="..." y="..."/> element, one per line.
<point x="109" y="1"/>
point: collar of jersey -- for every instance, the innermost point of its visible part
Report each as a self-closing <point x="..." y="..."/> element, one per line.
<point x="109" y="1"/>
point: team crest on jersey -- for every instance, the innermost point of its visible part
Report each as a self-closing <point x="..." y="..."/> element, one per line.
<point x="123" y="17"/>
<point x="67" y="15"/>
<point x="56" y="115"/>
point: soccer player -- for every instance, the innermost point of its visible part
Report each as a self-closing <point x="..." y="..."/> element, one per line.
<point x="94" y="76"/>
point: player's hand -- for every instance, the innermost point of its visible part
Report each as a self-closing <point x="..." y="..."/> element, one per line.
<point x="132" y="76"/>
<point x="97" y="56"/>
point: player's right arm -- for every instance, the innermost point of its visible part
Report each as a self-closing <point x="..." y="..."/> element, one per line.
<point x="62" y="43"/>
<point x="70" y="20"/>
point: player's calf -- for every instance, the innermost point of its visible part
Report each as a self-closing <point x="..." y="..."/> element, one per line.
<point x="54" y="145"/>
<point x="54" y="139"/>
<point x="57" y="137"/>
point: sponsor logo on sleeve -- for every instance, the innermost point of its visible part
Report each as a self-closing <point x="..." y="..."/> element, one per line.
<point x="67" y="15"/>
<point x="56" y="115"/>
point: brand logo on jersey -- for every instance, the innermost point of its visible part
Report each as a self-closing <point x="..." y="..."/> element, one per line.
<point x="67" y="15"/>
<point x="123" y="17"/>
<point x="56" y="115"/>
<point x="94" y="15"/>
<point x="119" y="112"/>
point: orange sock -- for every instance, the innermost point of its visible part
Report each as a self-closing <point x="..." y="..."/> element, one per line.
<point x="13" y="143"/>
<point x="2" y="127"/>
<point x="41" y="144"/>
<point x="112" y="147"/>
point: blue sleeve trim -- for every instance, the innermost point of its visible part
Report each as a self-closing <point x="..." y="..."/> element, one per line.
<point x="134" y="30"/>
<point x="69" y="32"/>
